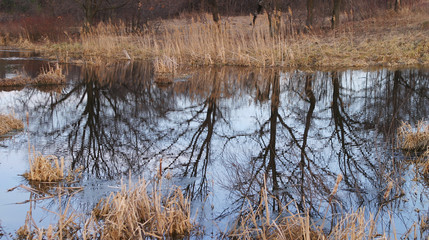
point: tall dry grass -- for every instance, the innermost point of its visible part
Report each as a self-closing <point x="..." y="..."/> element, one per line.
<point x="390" y="39"/>
<point x="258" y="223"/>
<point x="414" y="139"/>
<point x="50" y="76"/>
<point x="136" y="212"/>
<point x="67" y="227"/>
<point x="18" y="81"/>
<point x="45" y="168"/>
<point x="8" y="123"/>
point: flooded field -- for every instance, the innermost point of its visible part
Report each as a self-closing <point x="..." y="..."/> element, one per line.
<point x="221" y="134"/>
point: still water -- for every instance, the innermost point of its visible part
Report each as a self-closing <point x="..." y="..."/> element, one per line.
<point x="219" y="133"/>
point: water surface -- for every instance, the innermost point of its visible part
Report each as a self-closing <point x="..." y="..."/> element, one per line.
<point x="220" y="132"/>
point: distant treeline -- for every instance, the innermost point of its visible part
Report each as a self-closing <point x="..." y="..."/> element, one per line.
<point x="48" y="19"/>
<point x="150" y="9"/>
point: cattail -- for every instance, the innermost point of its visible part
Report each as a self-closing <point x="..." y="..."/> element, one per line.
<point x="337" y="183"/>
<point x="389" y="188"/>
<point x="160" y="168"/>
<point x="339" y="178"/>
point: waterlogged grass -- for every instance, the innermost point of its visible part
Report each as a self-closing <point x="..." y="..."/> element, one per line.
<point x="257" y="223"/>
<point x="136" y="213"/>
<point x="45" y="168"/>
<point x="48" y="76"/>
<point x="8" y="123"/>
<point x="147" y="210"/>
<point x="391" y="39"/>
<point x="414" y="139"/>
<point x="18" y="81"/>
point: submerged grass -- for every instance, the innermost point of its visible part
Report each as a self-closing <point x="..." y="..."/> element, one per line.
<point x="391" y="39"/>
<point x="8" y="123"/>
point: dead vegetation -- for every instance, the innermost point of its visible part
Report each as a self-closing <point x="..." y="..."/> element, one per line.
<point x="8" y="123"/>
<point x="258" y="223"/>
<point x="414" y="139"/>
<point x="50" y="76"/>
<point x="67" y="226"/>
<point x="138" y="213"/>
<point x="389" y="39"/>
<point x="18" y="81"/>
<point x="45" y="168"/>
<point x="165" y="69"/>
<point x="135" y="212"/>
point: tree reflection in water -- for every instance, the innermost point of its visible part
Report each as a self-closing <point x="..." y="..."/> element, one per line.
<point x="238" y="128"/>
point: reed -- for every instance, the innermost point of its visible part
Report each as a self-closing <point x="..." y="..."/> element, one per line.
<point x="50" y="76"/>
<point x="67" y="226"/>
<point x="8" y="123"/>
<point x="388" y="40"/>
<point x="45" y="168"/>
<point x="414" y="139"/>
<point x="136" y="213"/>
<point x="18" y="81"/>
<point x="257" y="223"/>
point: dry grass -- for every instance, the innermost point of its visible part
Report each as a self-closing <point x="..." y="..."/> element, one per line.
<point x="9" y="123"/>
<point x="165" y="69"/>
<point x="258" y="224"/>
<point x="391" y="39"/>
<point x="414" y="139"/>
<point x="67" y="227"/>
<point x="134" y="213"/>
<point x="50" y="76"/>
<point x="45" y="168"/>
<point x="17" y="81"/>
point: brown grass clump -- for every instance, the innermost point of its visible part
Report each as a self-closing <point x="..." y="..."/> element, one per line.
<point x="258" y="224"/>
<point x="9" y="123"/>
<point x="67" y="227"/>
<point x="17" y="81"/>
<point x="414" y="139"/>
<point x="134" y="213"/>
<point x="165" y="69"/>
<point x="45" y="168"/>
<point x="50" y="76"/>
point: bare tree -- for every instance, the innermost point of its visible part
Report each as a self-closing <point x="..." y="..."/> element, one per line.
<point x="214" y="9"/>
<point x="310" y="15"/>
<point x="271" y="7"/>
<point x="335" y="20"/>
<point x="397" y="5"/>
<point x="92" y="7"/>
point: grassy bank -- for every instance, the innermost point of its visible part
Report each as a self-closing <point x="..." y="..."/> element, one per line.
<point x="390" y="39"/>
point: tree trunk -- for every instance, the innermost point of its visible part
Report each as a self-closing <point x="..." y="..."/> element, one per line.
<point x="214" y="9"/>
<point x="310" y="6"/>
<point x="397" y="5"/>
<point x="335" y="21"/>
